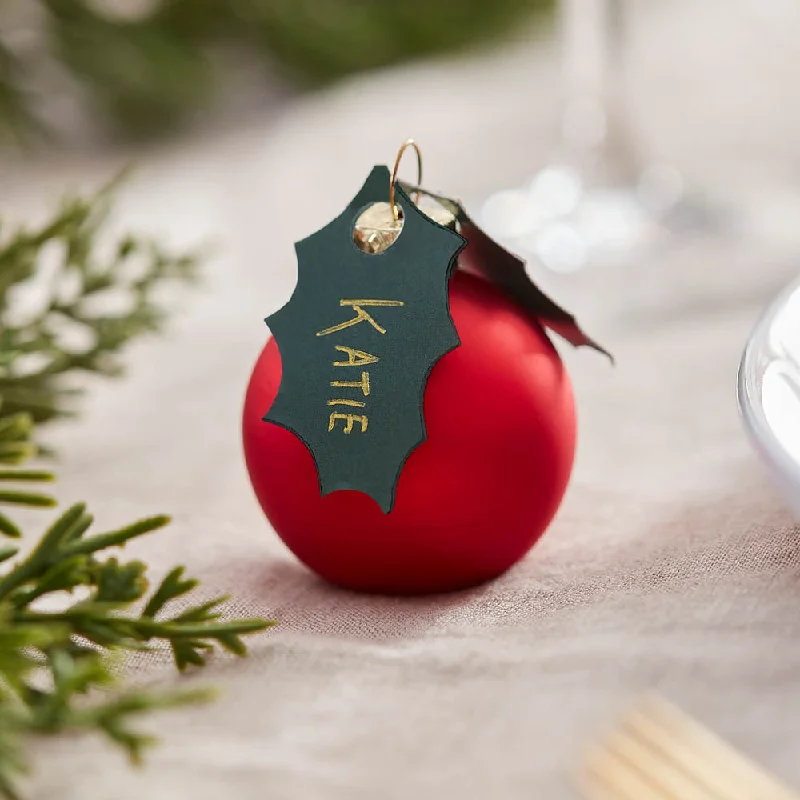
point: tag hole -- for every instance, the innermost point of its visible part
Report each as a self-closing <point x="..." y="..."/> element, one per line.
<point x="376" y="229"/>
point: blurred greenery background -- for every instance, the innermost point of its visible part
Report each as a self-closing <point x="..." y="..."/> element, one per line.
<point x="144" y="67"/>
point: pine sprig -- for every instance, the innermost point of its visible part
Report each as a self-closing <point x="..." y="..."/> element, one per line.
<point x="70" y="331"/>
<point x="71" y="326"/>
<point x="56" y="663"/>
<point x="65" y="559"/>
<point x="70" y="643"/>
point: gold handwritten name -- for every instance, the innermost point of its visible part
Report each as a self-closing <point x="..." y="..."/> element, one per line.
<point x="354" y="358"/>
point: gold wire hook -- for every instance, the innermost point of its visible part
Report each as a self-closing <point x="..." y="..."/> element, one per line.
<point x="408" y="143"/>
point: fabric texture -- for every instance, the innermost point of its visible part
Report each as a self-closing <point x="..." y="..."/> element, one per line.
<point x="672" y="566"/>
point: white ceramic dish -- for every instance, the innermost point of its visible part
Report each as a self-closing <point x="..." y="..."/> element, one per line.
<point x="769" y="391"/>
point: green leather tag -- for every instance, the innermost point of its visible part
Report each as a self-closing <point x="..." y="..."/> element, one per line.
<point x="358" y="339"/>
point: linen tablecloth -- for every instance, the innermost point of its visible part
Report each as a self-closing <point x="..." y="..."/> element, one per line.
<point x="672" y="564"/>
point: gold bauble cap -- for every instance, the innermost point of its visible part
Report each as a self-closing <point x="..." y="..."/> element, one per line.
<point x="377" y="230"/>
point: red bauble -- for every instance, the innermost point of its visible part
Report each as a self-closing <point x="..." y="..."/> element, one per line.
<point x="471" y="500"/>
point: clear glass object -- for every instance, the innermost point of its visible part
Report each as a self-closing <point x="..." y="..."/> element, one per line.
<point x="597" y="201"/>
<point x="769" y="391"/>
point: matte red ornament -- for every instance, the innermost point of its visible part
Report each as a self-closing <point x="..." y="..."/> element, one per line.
<point x="472" y="499"/>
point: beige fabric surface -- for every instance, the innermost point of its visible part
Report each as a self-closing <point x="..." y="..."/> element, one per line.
<point x="672" y="564"/>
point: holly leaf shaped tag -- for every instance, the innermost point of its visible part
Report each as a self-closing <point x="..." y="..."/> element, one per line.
<point x="488" y="259"/>
<point x="358" y="339"/>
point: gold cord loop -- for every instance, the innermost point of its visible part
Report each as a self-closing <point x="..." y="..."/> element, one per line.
<point x="392" y="183"/>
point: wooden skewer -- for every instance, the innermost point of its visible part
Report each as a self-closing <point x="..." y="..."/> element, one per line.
<point x="658" y="753"/>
